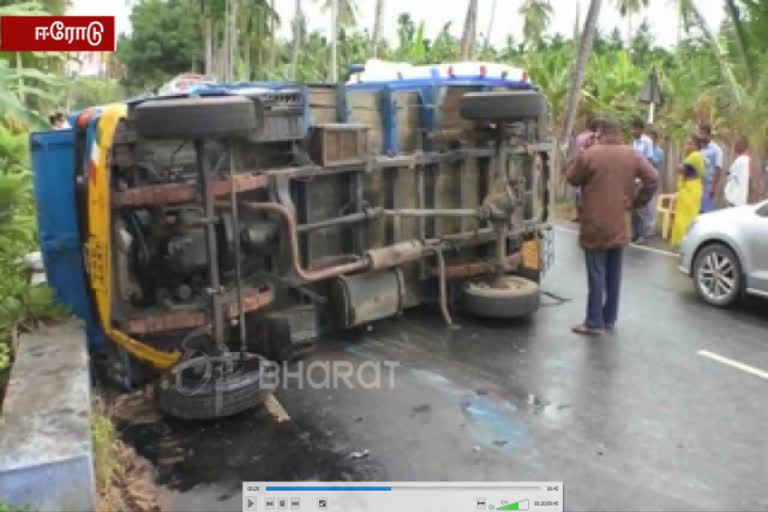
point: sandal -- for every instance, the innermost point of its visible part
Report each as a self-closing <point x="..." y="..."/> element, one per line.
<point x="586" y="331"/>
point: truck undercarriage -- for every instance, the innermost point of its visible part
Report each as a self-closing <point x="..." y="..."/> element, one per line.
<point x="242" y="225"/>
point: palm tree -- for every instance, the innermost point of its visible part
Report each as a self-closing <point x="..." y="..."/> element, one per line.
<point x="577" y="23"/>
<point x="377" y="28"/>
<point x="333" y="67"/>
<point x="273" y="36"/>
<point x="468" y="36"/>
<point x="491" y="19"/>
<point x="343" y="14"/>
<point x="627" y="9"/>
<point x="536" y="17"/>
<point x="347" y="11"/>
<point x="579" y="68"/>
<point x="298" y="27"/>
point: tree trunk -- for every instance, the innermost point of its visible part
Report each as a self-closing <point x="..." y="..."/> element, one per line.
<point x="577" y="23"/>
<point x="273" y="38"/>
<point x="233" y="40"/>
<point x="574" y="92"/>
<point x="334" y="70"/>
<point x="468" y="36"/>
<point x="225" y="43"/>
<point x="296" y="39"/>
<point x="208" y="42"/>
<point x="247" y="57"/>
<point x="19" y="66"/>
<point x="377" y="28"/>
<point x="490" y="25"/>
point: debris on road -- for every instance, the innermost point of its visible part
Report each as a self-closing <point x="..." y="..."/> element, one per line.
<point x="360" y="455"/>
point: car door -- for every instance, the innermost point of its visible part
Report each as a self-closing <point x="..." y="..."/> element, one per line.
<point x="756" y="248"/>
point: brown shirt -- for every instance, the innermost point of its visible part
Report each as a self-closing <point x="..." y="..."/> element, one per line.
<point x="606" y="174"/>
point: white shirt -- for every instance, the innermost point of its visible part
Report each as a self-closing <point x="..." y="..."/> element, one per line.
<point x="643" y="146"/>
<point x="737" y="185"/>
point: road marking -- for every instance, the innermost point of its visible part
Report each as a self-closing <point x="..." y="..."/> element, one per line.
<point x="735" y="364"/>
<point x="669" y="254"/>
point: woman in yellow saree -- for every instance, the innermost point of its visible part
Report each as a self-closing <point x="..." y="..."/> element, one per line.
<point x="689" y="190"/>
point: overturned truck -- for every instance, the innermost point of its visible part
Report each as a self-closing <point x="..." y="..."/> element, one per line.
<point x="202" y="234"/>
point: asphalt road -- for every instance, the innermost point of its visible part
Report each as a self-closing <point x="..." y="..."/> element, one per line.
<point x="636" y="419"/>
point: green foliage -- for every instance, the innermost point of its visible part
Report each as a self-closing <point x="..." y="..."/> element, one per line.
<point x="536" y="17"/>
<point x="4" y="507"/>
<point x="88" y="92"/>
<point x="21" y="306"/>
<point x="165" y="41"/>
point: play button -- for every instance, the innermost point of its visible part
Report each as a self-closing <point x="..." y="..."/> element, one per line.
<point x="250" y="504"/>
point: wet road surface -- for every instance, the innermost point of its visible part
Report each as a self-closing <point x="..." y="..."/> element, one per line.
<point x="632" y="420"/>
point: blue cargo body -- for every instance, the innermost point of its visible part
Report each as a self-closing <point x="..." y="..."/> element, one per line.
<point x="53" y="161"/>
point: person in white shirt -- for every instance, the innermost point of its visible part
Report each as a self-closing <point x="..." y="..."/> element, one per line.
<point x="737" y="179"/>
<point x="644" y="218"/>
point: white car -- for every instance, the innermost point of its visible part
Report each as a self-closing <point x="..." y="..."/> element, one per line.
<point x="185" y="83"/>
<point x="726" y="254"/>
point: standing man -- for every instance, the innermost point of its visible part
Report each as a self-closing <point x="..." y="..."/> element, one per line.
<point x="737" y="179"/>
<point x="713" y="160"/>
<point x="606" y="173"/>
<point x="642" y="218"/>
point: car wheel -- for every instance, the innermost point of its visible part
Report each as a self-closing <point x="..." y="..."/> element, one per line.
<point x="502" y="105"/>
<point x="192" y="118"/>
<point x="717" y="275"/>
<point x="506" y="297"/>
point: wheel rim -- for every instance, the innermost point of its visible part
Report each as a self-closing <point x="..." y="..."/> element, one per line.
<point x="717" y="276"/>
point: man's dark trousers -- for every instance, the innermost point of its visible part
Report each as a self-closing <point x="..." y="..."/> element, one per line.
<point x="604" y="282"/>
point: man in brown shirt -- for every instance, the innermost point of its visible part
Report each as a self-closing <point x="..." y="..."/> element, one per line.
<point x="606" y="173"/>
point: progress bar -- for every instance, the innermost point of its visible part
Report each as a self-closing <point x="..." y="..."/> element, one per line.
<point x="342" y="488"/>
<point x="391" y="496"/>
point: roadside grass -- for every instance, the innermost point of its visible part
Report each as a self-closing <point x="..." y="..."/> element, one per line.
<point x="4" y="507"/>
<point x="124" y="480"/>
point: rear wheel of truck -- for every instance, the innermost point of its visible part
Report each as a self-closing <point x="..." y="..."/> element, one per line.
<point x="194" y="118"/>
<point x="209" y="387"/>
<point x="502" y="105"/>
<point x="505" y="297"/>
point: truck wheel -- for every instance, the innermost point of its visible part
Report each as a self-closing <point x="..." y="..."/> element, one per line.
<point x="193" y="118"/>
<point x="193" y="391"/>
<point x="502" y="105"/>
<point x="506" y="297"/>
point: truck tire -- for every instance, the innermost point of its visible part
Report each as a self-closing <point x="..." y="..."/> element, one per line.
<point x="212" y="398"/>
<point x="197" y="118"/>
<point x="507" y="297"/>
<point x="502" y="105"/>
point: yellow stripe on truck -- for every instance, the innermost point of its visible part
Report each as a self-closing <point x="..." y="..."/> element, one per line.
<point x="98" y="246"/>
